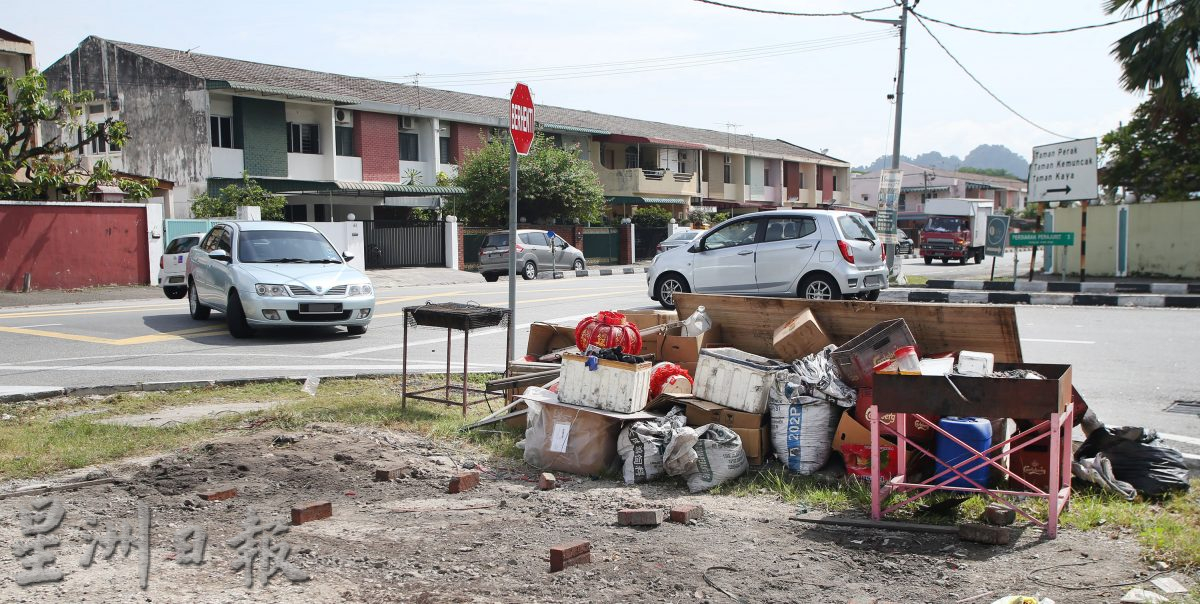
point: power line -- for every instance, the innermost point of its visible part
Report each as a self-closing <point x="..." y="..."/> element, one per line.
<point x="985" y="88"/>
<point x="688" y="60"/>
<point x="791" y="14"/>
<point x="1049" y="31"/>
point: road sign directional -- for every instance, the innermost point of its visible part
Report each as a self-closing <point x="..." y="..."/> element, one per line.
<point x="997" y="228"/>
<point x="1041" y="239"/>
<point x="1064" y="171"/>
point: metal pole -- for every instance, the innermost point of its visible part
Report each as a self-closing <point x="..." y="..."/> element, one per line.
<point x="1016" y="258"/>
<point x="891" y="247"/>
<point x="993" y="277"/>
<point x="512" y="253"/>
<point x="1083" y="242"/>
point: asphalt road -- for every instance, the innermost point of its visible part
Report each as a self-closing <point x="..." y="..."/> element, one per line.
<point x="1129" y="363"/>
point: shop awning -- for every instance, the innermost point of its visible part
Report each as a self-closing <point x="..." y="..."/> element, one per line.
<point x="921" y="189"/>
<point x="628" y="200"/>
<point x="578" y="129"/>
<point x="648" y="140"/>
<point x="342" y="187"/>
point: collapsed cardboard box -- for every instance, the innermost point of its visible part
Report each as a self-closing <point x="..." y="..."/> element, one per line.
<point x="669" y="344"/>
<point x="545" y="338"/>
<point x="569" y="438"/>
<point x="750" y="427"/>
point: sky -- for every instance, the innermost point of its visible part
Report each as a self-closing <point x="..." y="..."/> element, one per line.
<point x="818" y="82"/>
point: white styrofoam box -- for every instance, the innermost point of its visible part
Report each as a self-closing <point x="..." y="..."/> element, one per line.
<point x="738" y="380"/>
<point x="613" y="386"/>
<point x="975" y="363"/>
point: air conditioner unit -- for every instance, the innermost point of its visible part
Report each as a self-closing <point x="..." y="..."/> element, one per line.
<point x="406" y="122"/>
<point x="340" y="116"/>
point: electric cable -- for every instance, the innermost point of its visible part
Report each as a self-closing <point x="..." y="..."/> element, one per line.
<point x="792" y="14"/>
<point x="1049" y="31"/>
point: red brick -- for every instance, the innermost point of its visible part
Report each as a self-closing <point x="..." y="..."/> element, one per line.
<point x="570" y="554"/>
<point x="640" y="517"/>
<point x="310" y="511"/>
<point x="999" y="514"/>
<point x="983" y="533"/>
<point x="686" y="512"/>
<point x="464" y="482"/>
<point x="547" y="481"/>
<point x="219" y="495"/>
<point x="389" y="474"/>
<point x="377" y="141"/>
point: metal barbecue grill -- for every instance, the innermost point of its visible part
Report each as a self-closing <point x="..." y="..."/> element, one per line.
<point x="450" y="316"/>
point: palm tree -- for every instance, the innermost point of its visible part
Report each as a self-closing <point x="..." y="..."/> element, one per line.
<point x="1159" y="56"/>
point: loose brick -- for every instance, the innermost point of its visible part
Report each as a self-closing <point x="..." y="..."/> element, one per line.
<point x="464" y="482"/>
<point x="219" y="495"/>
<point x="640" y="517"/>
<point x="999" y="515"/>
<point x="984" y="533"/>
<point x="570" y="554"/>
<point x="547" y="481"/>
<point x="686" y="512"/>
<point x="310" y="511"/>
<point x="389" y="474"/>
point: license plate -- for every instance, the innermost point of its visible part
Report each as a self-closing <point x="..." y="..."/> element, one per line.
<point x="320" y="308"/>
<point x="872" y="280"/>
<point x="175" y="280"/>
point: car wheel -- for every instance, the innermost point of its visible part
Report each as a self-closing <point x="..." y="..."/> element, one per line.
<point x="979" y="258"/>
<point x="945" y="261"/>
<point x="530" y="271"/>
<point x="491" y="277"/>
<point x="962" y="260"/>
<point x="175" y="293"/>
<point x="928" y="260"/>
<point x="356" y="330"/>
<point x="871" y="296"/>
<point x="820" y="287"/>
<point x="198" y="310"/>
<point x="668" y="286"/>
<point x="578" y="264"/>
<point x="235" y="317"/>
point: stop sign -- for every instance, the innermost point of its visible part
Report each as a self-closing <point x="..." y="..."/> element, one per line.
<point x="520" y="119"/>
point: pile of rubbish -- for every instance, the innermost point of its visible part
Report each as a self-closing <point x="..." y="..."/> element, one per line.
<point x="649" y="395"/>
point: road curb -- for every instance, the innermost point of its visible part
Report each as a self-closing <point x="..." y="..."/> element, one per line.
<point x="594" y="272"/>
<point x="179" y="385"/>
<point x="1064" y="287"/>
<point x="975" y="296"/>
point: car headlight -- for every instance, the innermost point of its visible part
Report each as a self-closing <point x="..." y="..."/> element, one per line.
<point x="271" y="290"/>
<point x="359" y="290"/>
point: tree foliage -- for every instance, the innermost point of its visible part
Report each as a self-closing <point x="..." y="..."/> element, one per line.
<point x="1157" y="153"/>
<point x="247" y="193"/>
<point x="42" y="135"/>
<point x="651" y="216"/>
<point x="997" y="172"/>
<point x="553" y="183"/>
<point x="1160" y="55"/>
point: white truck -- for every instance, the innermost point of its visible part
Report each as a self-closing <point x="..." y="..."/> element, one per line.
<point x="956" y="229"/>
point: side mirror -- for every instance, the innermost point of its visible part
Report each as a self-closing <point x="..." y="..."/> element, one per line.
<point x="220" y="255"/>
<point x="347" y="256"/>
<point x="695" y="247"/>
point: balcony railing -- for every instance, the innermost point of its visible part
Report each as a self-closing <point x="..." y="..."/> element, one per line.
<point x="647" y="182"/>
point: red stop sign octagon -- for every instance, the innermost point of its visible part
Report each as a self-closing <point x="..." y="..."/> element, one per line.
<point x="520" y="119"/>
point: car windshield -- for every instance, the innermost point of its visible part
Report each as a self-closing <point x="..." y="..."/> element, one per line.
<point x="855" y="227"/>
<point x="945" y="224"/>
<point x="181" y="245"/>
<point x="495" y="240"/>
<point x="684" y="236"/>
<point x="286" y="246"/>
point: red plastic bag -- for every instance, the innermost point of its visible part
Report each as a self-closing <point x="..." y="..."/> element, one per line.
<point x="858" y="460"/>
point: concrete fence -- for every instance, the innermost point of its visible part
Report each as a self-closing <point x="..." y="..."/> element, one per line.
<point x="1144" y="239"/>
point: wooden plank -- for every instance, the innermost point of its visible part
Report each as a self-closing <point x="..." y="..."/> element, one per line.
<point x="883" y="525"/>
<point x="748" y="322"/>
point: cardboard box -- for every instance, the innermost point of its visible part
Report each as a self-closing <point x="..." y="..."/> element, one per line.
<point x="576" y="439"/>
<point x="800" y="337"/>
<point x="545" y="338"/>
<point x="850" y="432"/>
<point x="649" y="317"/>
<point x="670" y="345"/>
<point x="701" y="412"/>
<point x="756" y="442"/>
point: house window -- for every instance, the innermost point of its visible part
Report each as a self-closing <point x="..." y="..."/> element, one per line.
<point x="444" y="150"/>
<point x="409" y="145"/>
<point x="304" y="138"/>
<point x="728" y="170"/>
<point x="683" y="166"/>
<point x="220" y="131"/>
<point x="99" y="145"/>
<point x="343" y="141"/>
<point x="631" y="157"/>
<point x="766" y="175"/>
<point x="96" y="108"/>
<point x="901" y="205"/>
<point x="835" y="182"/>
<point x="801" y="180"/>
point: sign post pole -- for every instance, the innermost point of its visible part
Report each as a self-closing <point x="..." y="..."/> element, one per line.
<point x="1083" y="242"/>
<point x="520" y="130"/>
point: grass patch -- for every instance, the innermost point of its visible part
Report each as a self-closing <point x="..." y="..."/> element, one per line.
<point x="67" y="435"/>
<point x="917" y="280"/>
<point x="1169" y="529"/>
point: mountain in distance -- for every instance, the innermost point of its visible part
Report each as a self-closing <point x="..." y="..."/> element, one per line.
<point x="994" y="157"/>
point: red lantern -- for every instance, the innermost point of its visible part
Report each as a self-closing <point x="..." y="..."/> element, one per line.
<point x="608" y="330"/>
<point x="663" y="373"/>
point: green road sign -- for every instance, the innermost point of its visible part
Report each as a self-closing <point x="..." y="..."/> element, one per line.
<point x="1041" y="239"/>
<point x="997" y="228"/>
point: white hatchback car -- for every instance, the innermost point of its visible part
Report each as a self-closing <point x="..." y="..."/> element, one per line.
<point x="819" y="254"/>
<point x="172" y="265"/>
<point x="267" y="274"/>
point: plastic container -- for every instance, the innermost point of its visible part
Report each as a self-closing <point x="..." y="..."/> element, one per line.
<point x="905" y="362"/>
<point x="976" y="363"/>
<point x="696" y="324"/>
<point x="976" y="432"/>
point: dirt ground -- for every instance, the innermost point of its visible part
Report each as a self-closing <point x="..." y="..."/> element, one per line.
<point x="409" y="541"/>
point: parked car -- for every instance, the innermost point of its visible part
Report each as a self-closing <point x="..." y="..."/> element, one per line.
<point x="819" y="254"/>
<point x="534" y="253"/>
<point x="678" y="238"/>
<point x="172" y="265"/>
<point x="904" y="243"/>
<point x="268" y="274"/>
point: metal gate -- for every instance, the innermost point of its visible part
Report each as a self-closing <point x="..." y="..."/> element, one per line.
<point x="174" y="227"/>
<point x="395" y="243"/>
<point x="602" y="245"/>
<point x="472" y="240"/>
<point x="646" y="240"/>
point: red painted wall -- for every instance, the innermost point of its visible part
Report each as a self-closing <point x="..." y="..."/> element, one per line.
<point x="826" y="178"/>
<point x="72" y="246"/>
<point x="464" y="138"/>
<point x="791" y="173"/>
<point x="377" y="140"/>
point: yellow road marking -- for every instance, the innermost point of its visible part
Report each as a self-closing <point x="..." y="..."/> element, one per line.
<point x="194" y="332"/>
<point x="379" y="302"/>
<point x="73" y="311"/>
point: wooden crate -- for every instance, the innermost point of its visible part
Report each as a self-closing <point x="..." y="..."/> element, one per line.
<point x="613" y="386"/>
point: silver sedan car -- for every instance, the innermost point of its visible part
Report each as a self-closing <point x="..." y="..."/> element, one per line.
<point x="537" y="250"/>
<point x="268" y="274"/>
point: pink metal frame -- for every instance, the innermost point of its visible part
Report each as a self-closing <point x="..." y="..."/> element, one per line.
<point x="1057" y="429"/>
